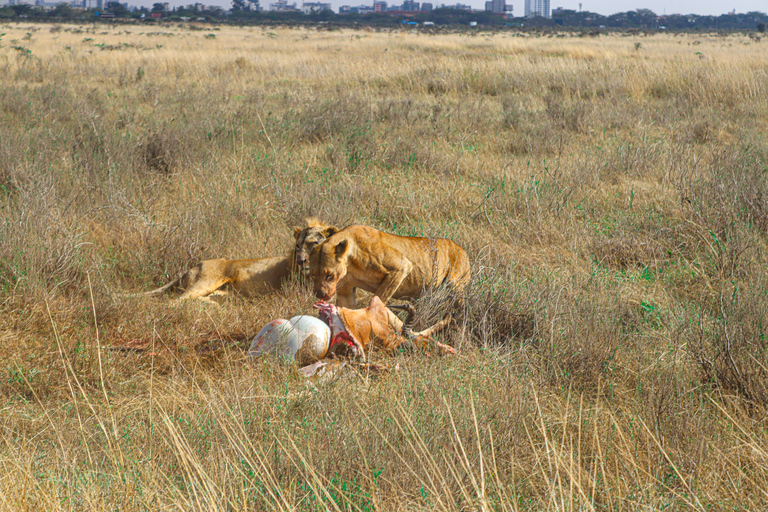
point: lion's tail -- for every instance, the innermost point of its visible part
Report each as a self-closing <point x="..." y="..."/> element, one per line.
<point x="157" y="291"/>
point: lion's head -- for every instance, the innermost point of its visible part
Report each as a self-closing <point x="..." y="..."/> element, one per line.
<point x="328" y="265"/>
<point x="314" y="234"/>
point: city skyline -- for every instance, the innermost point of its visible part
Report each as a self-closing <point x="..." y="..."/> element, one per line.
<point x="603" y="7"/>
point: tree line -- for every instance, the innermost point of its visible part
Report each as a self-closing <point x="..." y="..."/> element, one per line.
<point x="241" y="12"/>
<point x="647" y="19"/>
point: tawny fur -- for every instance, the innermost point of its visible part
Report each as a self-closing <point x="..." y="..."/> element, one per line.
<point x="248" y="277"/>
<point x="390" y="266"/>
<point x="377" y="326"/>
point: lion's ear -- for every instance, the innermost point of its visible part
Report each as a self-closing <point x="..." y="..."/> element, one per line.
<point x="330" y="230"/>
<point x="296" y="232"/>
<point x="341" y="249"/>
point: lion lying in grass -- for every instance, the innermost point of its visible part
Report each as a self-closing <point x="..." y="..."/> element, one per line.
<point x="390" y="266"/>
<point x="250" y="276"/>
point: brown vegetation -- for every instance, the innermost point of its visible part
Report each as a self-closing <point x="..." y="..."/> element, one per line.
<point x="612" y="201"/>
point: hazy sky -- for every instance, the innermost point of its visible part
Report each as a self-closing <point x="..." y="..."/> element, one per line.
<point x="605" y="7"/>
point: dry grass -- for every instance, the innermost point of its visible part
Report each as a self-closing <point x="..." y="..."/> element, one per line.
<point x="612" y="199"/>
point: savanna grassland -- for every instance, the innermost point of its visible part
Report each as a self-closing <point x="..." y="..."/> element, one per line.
<point x="611" y="192"/>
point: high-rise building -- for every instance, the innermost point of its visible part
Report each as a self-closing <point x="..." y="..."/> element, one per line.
<point x="537" y="8"/>
<point x="379" y="6"/>
<point x="496" y="6"/>
<point x="426" y="6"/>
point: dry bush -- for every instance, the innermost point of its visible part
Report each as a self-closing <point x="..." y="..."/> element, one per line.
<point x="43" y="250"/>
<point x="726" y="336"/>
<point x="581" y="334"/>
<point x="726" y="209"/>
<point x="498" y="310"/>
<point x="568" y="115"/>
<point x="325" y="119"/>
<point x="628" y="251"/>
<point x="730" y="352"/>
<point x="159" y="153"/>
<point x="631" y="160"/>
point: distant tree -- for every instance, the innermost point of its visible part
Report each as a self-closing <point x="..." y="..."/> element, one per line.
<point x="158" y="7"/>
<point x="644" y="18"/>
<point x="761" y="27"/>
<point x="571" y="18"/>
<point x="451" y="16"/>
<point x="679" y="21"/>
<point x="215" y="11"/>
<point x="61" y="10"/>
<point x="118" y="9"/>
<point x="238" y="5"/>
<point x="646" y="13"/>
<point x="21" y="9"/>
<point x="324" y="15"/>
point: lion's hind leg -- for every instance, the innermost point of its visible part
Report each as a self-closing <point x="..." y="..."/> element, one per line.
<point x="204" y="279"/>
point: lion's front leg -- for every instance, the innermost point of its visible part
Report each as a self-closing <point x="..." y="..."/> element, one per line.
<point x="346" y="295"/>
<point x="393" y="280"/>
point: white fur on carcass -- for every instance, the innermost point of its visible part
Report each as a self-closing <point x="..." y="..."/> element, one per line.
<point x="303" y="339"/>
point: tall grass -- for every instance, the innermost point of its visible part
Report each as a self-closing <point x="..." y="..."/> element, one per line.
<point x="611" y="197"/>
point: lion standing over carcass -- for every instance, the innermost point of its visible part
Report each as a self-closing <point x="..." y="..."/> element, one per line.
<point x="249" y="276"/>
<point x="389" y="266"/>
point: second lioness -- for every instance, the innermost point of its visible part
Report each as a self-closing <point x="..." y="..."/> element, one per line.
<point x="390" y="266"/>
<point x="250" y="276"/>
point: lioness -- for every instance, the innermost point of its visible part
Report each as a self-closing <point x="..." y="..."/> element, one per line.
<point x="252" y="276"/>
<point x="387" y="265"/>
